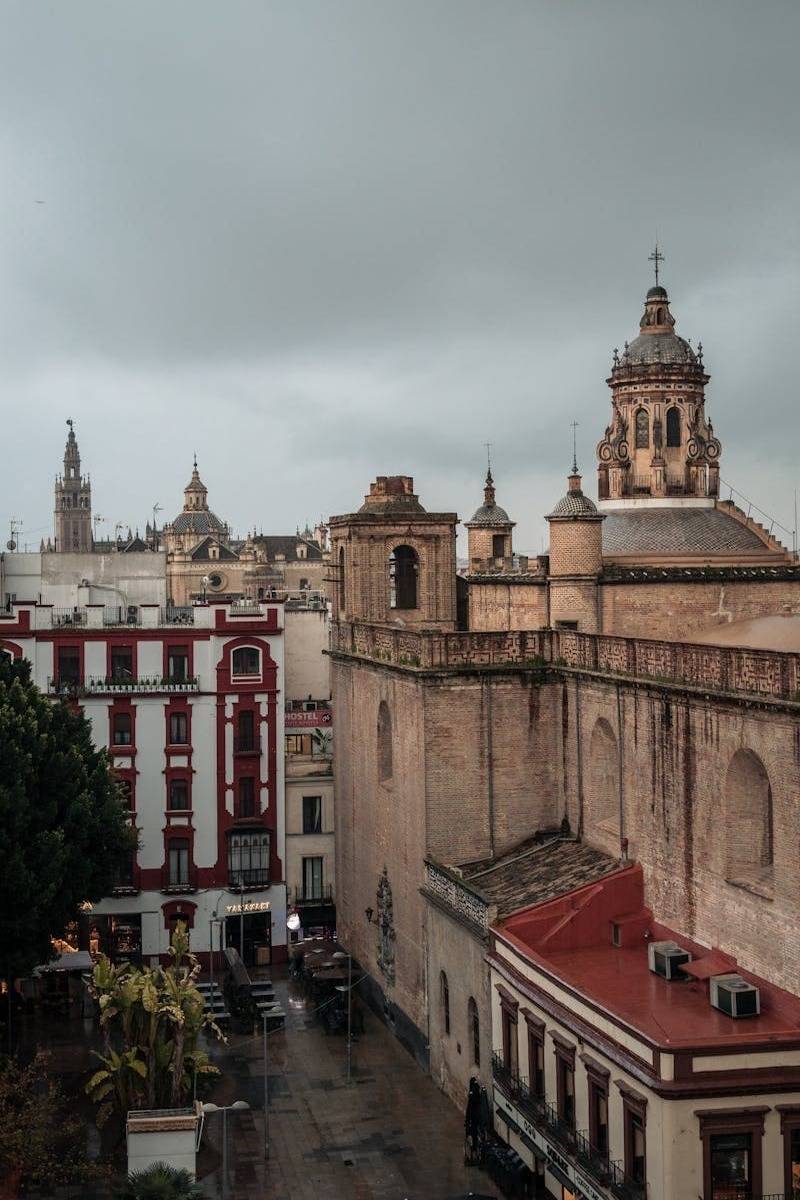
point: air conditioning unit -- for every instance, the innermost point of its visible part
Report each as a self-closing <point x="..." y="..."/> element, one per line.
<point x="735" y="996"/>
<point x="664" y="959"/>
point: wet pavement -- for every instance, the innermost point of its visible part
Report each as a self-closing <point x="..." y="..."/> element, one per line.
<point x="386" y="1135"/>
<point x="389" y="1134"/>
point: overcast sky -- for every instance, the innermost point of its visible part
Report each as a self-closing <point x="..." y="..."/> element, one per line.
<point x="317" y="242"/>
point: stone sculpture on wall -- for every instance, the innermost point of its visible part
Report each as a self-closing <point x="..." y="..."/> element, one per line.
<point x="386" y="933"/>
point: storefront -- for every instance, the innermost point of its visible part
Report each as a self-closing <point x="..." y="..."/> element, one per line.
<point x="248" y="929"/>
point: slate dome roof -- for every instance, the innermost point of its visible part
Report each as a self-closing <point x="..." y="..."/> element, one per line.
<point x="575" y="504"/>
<point x="200" y="520"/>
<point x="649" y="348"/>
<point x="490" y="514"/>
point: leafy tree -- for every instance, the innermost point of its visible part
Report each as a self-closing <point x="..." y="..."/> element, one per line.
<point x="40" y="1142"/>
<point x="159" y="1182"/>
<point x="63" y="828"/>
<point x="151" y="1019"/>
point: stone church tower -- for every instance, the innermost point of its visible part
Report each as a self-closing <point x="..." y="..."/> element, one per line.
<point x="576" y="559"/>
<point x="659" y="442"/>
<point x="73" y="503"/>
<point x="489" y="531"/>
<point x="394" y="563"/>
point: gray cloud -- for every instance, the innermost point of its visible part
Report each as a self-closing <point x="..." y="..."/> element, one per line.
<point x="321" y="241"/>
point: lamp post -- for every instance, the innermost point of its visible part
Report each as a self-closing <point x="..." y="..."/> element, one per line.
<point x="266" y="1089"/>
<point x="347" y="989"/>
<point x="238" y="1106"/>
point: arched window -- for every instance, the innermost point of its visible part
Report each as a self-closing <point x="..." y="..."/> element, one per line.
<point x="673" y="427"/>
<point x="660" y="316"/>
<point x="248" y="858"/>
<point x="122" y="729"/>
<point x="246" y="660"/>
<point x="474" y="1025"/>
<point x="748" y="821"/>
<point x="403" y="571"/>
<point x="342" y="582"/>
<point x="444" y="990"/>
<point x="642" y="429"/>
<point x="384" y="742"/>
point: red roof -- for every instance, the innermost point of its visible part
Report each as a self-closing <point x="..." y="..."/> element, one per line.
<point x="569" y="939"/>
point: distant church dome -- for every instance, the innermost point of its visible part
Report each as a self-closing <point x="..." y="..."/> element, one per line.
<point x="197" y="517"/>
<point x="657" y="343"/>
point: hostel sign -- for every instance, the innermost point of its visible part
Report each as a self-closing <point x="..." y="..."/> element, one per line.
<point x="249" y="906"/>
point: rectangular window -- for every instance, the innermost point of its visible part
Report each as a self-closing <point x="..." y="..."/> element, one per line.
<point x="635" y="1159"/>
<point x="121" y="663"/>
<point x="178" y="729"/>
<point x="598" y="1116"/>
<point x="792" y="1136"/>
<point x="178" y="795"/>
<point x="731" y="1157"/>
<point x="298" y="743"/>
<point x="312" y="814"/>
<point x="178" y="663"/>
<point x="69" y="665"/>
<point x="536" y="1061"/>
<point x="246" y="660"/>
<point x="312" y="878"/>
<point x="498" y="545"/>
<point x="247" y="796"/>
<point x="121" y="729"/>
<point x="178" y="862"/>
<point x="246" y="730"/>
<point x="510" y="1053"/>
<point x="565" y="1088"/>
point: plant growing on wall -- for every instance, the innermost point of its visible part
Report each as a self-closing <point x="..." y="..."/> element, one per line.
<point x="151" y="1019"/>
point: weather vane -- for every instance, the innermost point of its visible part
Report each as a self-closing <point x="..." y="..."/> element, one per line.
<point x="656" y="257"/>
<point x="69" y="422"/>
<point x="488" y="446"/>
<point x="574" y="448"/>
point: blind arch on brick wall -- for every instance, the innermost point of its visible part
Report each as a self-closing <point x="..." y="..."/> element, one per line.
<point x="384" y="742"/>
<point x="748" y="821"/>
<point x="342" y="582"/>
<point x="602" y="792"/>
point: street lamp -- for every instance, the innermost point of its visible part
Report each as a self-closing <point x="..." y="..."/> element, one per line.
<point x="342" y="988"/>
<point x="238" y="1106"/>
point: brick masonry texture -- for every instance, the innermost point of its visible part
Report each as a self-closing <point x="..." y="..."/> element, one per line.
<point x="674" y="610"/>
<point x="575" y="547"/>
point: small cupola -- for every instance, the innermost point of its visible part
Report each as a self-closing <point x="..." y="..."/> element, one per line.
<point x="489" y="531"/>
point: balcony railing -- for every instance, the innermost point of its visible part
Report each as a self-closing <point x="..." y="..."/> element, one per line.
<point x="247" y="744"/>
<point x="179" y="883"/>
<point x="250" y="878"/>
<point x="99" y="685"/>
<point x="177" y="615"/>
<point x="575" y="1144"/>
<point x="122" y="615"/>
<point x="68" y="616"/>
<point x="319" y="895"/>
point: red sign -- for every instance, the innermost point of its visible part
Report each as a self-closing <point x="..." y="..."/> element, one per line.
<point x="309" y="720"/>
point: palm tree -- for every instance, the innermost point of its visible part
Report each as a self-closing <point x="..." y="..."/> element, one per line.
<point x="159" y="1182"/>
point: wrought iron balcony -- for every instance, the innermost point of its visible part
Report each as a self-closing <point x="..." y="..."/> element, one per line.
<point x="248" y="878"/>
<point x="179" y="883"/>
<point x="177" y="615"/>
<point x="64" y="617"/>
<point x="319" y="895"/>
<point x="104" y="685"/>
<point x="249" y="743"/>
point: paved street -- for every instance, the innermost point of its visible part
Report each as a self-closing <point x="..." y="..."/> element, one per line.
<point x="389" y="1134"/>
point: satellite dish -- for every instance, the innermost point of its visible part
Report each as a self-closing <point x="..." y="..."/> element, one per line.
<point x="11" y="544"/>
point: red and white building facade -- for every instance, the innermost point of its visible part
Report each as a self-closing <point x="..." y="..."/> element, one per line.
<point x="189" y="703"/>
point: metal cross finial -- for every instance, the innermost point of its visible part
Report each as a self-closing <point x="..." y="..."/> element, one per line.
<point x="488" y="446"/>
<point x="69" y="422"/>
<point x="656" y="257"/>
<point x="195" y="460"/>
<point x="574" y="448"/>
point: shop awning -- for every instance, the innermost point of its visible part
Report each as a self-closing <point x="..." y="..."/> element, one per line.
<point x="78" y="960"/>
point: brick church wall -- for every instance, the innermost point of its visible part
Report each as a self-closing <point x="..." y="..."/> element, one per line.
<point x="673" y="610"/>
<point x="497" y="605"/>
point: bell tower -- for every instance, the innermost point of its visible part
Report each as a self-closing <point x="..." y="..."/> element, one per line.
<point x="660" y="442"/>
<point x="73" y="503"/>
<point x="393" y="562"/>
